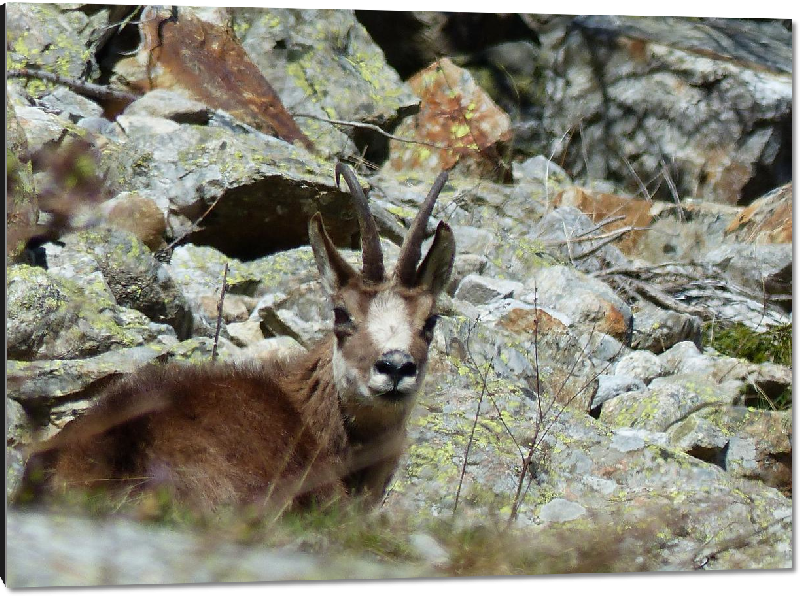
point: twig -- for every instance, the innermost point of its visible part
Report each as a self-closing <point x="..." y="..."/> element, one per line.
<point x="584" y="152"/>
<point x="642" y="269"/>
<point x="673" y="189"/>
<point x="606" y="239"/>
<point x="475" y="420"/>
<point x="102" y="92"/>
<point x="568" y="136"/>
<point x="603" y="239"/>
<point x="372" y="127"/>
<point x="526" y="461"/>
<point x="219" y="310"/>
<point x="193" y="228"/>
<point x="661" y="299"/>
<point x="600" y="224"/>
<point x="642" y="187"/>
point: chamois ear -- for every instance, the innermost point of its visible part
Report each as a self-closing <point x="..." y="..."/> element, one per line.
<point x="434" y="272"/>
<point x="333" y="269"/>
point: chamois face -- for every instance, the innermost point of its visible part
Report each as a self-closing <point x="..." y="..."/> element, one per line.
<point x="383" y="325"/>
<point x="382" y="339"/>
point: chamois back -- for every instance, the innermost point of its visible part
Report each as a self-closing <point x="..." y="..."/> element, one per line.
<point x="210" y="434"/>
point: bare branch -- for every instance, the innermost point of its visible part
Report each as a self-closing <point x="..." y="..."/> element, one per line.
<point x="372" y="127"/>
<point x="222" y="292"/>
<point x="102" y="92"/>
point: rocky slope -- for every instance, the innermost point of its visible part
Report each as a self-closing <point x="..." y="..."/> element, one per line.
<point x="572" y="381"/>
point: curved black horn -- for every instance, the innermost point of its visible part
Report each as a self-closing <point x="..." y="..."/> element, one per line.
<point x="371" y="254"/>
<point x="406" y="269"/>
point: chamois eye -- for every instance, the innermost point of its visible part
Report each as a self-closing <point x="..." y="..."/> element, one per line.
<point x="430" y="323"/>
<point x="341" y="317"/>
<point x="343" y="325"/>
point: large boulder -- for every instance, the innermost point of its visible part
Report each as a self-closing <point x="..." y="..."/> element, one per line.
<point x="700" y="104"/>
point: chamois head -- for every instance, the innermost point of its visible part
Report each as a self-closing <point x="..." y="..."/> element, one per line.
<point x="383" y="325"/>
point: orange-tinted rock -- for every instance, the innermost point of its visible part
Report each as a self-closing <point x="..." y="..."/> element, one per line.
<point x="524" y="320"/>
<point x="458" y="123"/>
<point x="141" y="216"/>
<point x="767" y="220"/>
<point x="600" y="206"/>
<point x="206" y="61"/>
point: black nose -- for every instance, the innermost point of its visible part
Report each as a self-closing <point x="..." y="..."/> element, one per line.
<point x="396" y="364"/>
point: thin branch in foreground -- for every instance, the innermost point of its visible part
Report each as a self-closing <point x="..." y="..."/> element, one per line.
<point x="642" y="187"/>
<point x="220" y="304"/>
<point x="484" y="383"/>
<point x="102" y="92"/>
<point x="607" y="238"/>
<point x="673" y="190"/>
<point x="372" y="127"/>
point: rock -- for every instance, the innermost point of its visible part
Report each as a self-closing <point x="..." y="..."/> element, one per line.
<point x="41" y="129"/>
<point x="602" y="207"/>
<point x="21" y="202"/>
<point x="753" y="266"/>
<point x="135" y="278"/>
<point x="456" y="113"/>
<point x="262" y="190"/>
<point x="245" y="333"/>
<point x="542" y="170"/>
<point x="696" y="400"/>
<point x="656" y="329"/>
<point x="479" y="289"/>
<point x="323" y="63"/>
<point x="51" y="317"/>
<point x="298" y="313"/>
<point x="526" y="346"/>
<point x="561" y="510"/>
<point x="568" y="234"/>
<point x="140" y="216"/>
<point x="684" y="107"/>
<point x="767" y="220"/>
<point x="747" y="443"/>
<point x="18" y="435"/>
<point x="198" y="272"/>
<point x="640" y="365"/>
<point x="172" y="105"/>
<point x="494" y="213"/>
<point x="75" y="551"/>
<point x="610" y="386"/>
<point x="589" y="302"/>
<point x="429" y="550"/>
<point x="203" y="60"/>
<point x="271" y="347"/>
<point x="680" y="233"/>
<point x="70" y="105"/>
<point x="751" y="380"/>
<point x="46" y="383"/>
<point x="58" y="39"/>
<point x="579" y="468"/>
<point x="464" y="265"/>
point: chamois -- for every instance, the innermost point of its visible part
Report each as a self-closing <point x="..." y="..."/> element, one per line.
<point x="324" y="425"/>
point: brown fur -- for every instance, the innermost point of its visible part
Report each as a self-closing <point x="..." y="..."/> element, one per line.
<point x="260" y="433"/>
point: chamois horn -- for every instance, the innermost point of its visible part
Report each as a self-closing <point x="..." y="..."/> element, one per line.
<point x="371" y="254"/>
<point x="406" y="268"/>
